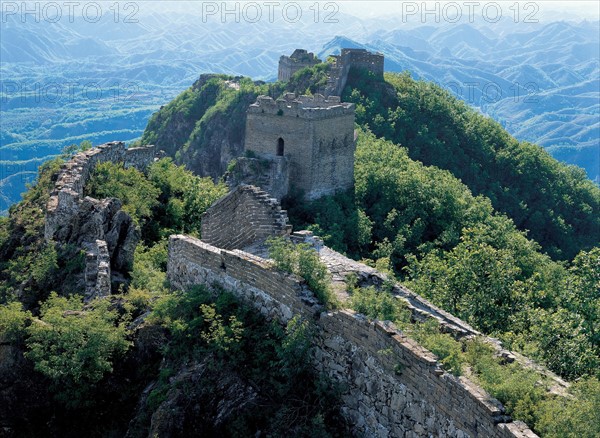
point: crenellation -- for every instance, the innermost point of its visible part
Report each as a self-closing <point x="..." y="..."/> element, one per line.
<point x="288" y="65"/>
<point x="315" y="136"/>
<point x="315" y="107"/>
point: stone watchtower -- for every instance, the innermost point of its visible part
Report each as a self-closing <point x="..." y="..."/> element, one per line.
<point x="288" y="65"/>
<point x="314" y="135"/>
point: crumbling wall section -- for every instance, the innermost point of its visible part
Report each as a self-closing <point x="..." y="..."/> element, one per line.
<point x="347" y="60"/>
<point x="107" y="234"/>
<point x="242" y="217"/>
<point x="270" y="173"/>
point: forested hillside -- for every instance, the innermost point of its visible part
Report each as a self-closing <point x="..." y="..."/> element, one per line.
<point x="492" y="230"/>
<point x="556" y="203"/>
<point x="479" y="227"/>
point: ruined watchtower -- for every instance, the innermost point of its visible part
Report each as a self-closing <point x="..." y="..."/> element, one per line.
<point x="288" y="65"/>
<point x="313" y="134"/>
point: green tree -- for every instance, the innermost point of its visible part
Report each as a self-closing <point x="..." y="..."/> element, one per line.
<point x="583" y="289"/>
<point x="75" y="347"/>
<point x="13" y="320"/>
<point x="112" y="180"/>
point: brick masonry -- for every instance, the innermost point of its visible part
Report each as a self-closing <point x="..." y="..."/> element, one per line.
<point x="347" y="60"/>
<point x="243" y="217"/>
<point x="315" y="135"/>
<point x="288" y="65"/>
<point x="392" y="387"/>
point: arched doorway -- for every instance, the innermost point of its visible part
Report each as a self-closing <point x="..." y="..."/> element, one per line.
<point x="280" y="147"/>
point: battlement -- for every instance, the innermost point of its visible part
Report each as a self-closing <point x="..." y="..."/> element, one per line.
<point x="288" y="65"/>
<point x="391" y="385"/>
<point x="307" y="107"/>
<point x="352" y="59"/>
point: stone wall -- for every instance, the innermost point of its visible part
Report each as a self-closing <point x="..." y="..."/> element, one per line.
<point x="277" y="295"/>
<point x="106" y="233"/>
<point x="391" y="387"/>
<point x="348" y="59"/>
<point x="315" y="134"/>
<point x="68" y="190"/>
<point x="288" y="65"/>
<point x="270" y="173"/>
<point x="242" y="217"/>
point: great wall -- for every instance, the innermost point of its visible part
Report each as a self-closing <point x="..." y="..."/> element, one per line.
<point x="392" y="387"/>
<point x="106" y="233"/>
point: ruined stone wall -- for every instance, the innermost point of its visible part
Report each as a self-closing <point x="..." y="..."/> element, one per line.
<point x="317" y="136"/>
<point x="348" y="59"/>
<point x="361" y="58"/>
<point x="288" y="65"/>
<point x="391" y="387"/>
<point x="243" y="217"/>
<point x="271" y="174"/>
<point x="106" y="233"/>
<point x="68" y="190"/>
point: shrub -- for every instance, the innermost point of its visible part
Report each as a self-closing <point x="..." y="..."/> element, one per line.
<point x="577" y="417"/>
<point x="75" y="348"/>
<point x="379" y="305"/>
<point x="13" y="320"/>
<point x="137" y="193"/>
<point x="516" y="387"/>
<point x="304" y="261"/>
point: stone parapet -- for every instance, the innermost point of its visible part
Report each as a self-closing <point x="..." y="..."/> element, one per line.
<point x="307" y="107"/>
<point x="391" y="386"/>
<point x="243" y="217"/>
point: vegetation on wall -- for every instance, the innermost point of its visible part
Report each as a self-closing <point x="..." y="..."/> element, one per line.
<point x="524" y="392"/>
<point x="301" y="259"/>
<point x="453" y="248"/>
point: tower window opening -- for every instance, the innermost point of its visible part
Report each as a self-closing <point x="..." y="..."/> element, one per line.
<point x="280" y="147"/>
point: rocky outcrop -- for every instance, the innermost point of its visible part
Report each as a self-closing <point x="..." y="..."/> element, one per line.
<point x="100" y="227"/>
<point x="201" y="401"/>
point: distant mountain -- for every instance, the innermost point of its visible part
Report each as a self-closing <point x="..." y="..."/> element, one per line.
<point x="67" y="82"/>
<point x="542" y="85"/>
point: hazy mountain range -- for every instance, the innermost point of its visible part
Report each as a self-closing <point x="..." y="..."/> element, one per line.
<point x="63" y="82"/>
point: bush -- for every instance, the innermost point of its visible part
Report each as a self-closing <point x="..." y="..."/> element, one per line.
<point x="75" y="348"/>
<point x="136" y="192"/>
<point x="578" y="417"/>
<point x="13" y="320"/>
<point x="444" y="346"/>
<point x="304" y="261"/>
<point x="379" y="305"/>
<point x="516" y="387"/>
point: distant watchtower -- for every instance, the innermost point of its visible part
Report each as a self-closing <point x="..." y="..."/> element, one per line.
<point x="288" y="65"/>
<point x="313" y="134"/>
